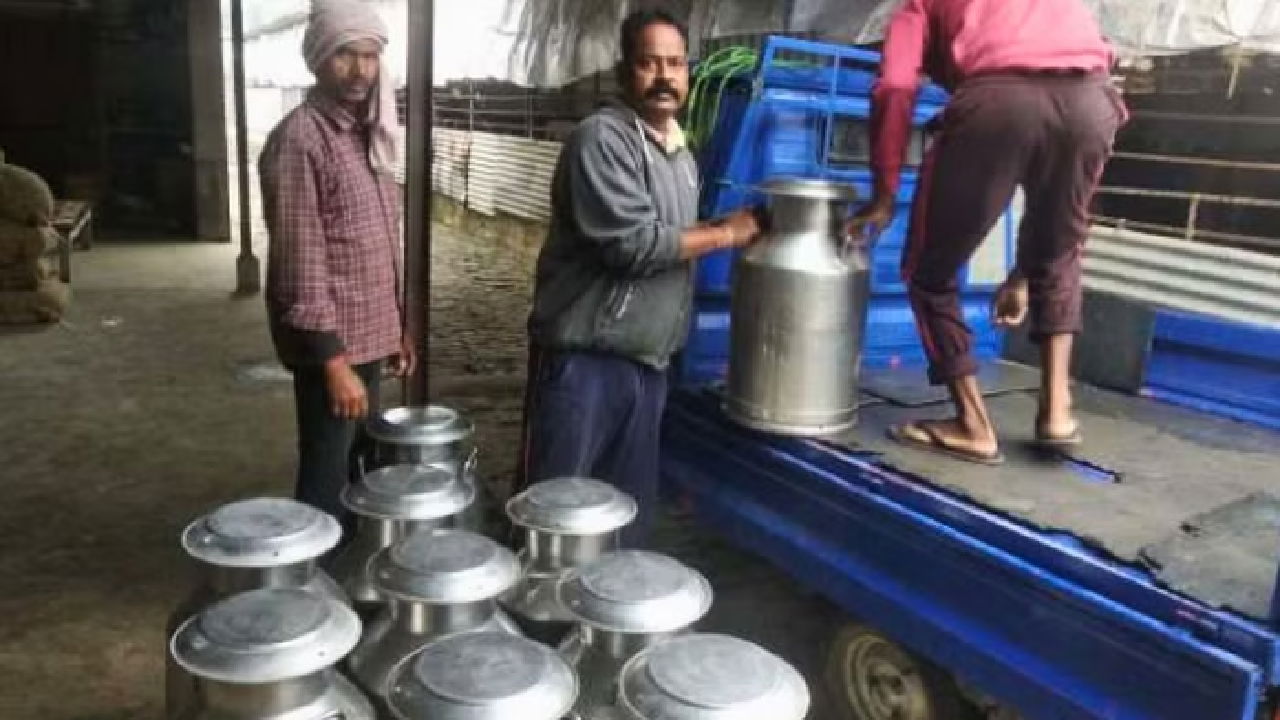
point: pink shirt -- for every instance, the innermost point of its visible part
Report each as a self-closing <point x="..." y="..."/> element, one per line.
<point x="950" y="40"/>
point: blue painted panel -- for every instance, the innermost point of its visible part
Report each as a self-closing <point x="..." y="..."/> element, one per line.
<point x="705" y="358"/>
<point x="1216" y="366"/>
<point x="857" y="68"/>
<point x="892" y="338"/>
<point x="1026" y="635"/>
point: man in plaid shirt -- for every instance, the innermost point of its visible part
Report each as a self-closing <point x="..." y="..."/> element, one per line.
<point x="333" y="279"/>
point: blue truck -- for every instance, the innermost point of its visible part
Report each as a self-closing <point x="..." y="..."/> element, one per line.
<point x="1135" y="578"/>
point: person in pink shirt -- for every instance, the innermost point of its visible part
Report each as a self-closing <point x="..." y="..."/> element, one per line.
<point x="332" y="209"/>
<point x="1032" y="106"/>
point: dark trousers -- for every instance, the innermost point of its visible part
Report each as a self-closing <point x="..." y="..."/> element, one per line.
<point x="595" y="415"/>
<point x="329" y="448"/>
<point x="1049" y="133"/>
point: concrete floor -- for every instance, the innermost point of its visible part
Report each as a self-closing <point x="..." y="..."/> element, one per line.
<point x="158" y="399"/>
<point x="120" y="426"/>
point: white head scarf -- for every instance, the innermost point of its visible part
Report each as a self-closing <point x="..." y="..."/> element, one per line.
<point x="336" y="23"/>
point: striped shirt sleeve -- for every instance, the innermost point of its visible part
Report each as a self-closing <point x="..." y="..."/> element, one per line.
<point x="300" y="293"/>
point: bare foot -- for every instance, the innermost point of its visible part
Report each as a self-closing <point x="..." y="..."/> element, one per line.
<point x="1055" y="420"/>
<point x="1061" y="428"/>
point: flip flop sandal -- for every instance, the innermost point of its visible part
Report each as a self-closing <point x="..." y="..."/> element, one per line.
<point x="921" y="437"/>
<point x="1058" y="442"/>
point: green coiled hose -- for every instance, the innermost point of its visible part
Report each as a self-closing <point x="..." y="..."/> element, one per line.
<point x="710" y="78"/>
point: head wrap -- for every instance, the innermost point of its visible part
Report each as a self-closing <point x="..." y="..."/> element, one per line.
<point x="334" y="24"/>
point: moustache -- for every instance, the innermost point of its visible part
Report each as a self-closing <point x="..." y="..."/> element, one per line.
<point x="658" y="91"/>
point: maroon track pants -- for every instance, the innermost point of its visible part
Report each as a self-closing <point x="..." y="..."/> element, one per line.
<point x="1049" y="133"/>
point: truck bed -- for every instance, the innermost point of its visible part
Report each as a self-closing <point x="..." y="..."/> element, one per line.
<point x="1191" y="498"/>
<point x="1131" y="579"/>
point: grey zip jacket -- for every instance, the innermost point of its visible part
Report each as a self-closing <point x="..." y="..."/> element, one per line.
<point x="610" y="278"/>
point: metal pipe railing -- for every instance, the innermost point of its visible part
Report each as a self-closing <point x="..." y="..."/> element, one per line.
<point x="1228" y="119"/>
<point x="1194" y="197"/>
<point x="523" y="113"/>
<point x="1257" y="243"/>
<point x="1201" y="162"/>
<point x="530" y="112"/>
<point x="1195" y="200"/>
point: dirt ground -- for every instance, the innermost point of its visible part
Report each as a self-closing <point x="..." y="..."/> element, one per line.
<point x="158" y="399"/>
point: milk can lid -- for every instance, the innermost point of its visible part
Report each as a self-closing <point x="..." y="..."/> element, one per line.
<point x="420" y="425"/>
<point x="445" y="567"/>
<point x="261" y="533"/>
<point x="711" y="677"/>
<point x="484" y="676"/>
<point x="409" y="492"/>
<point x="633" y="591"/>
<point x="811" y="188"/>
<point x="572" y="506"/>
<point x="265" y="636"/>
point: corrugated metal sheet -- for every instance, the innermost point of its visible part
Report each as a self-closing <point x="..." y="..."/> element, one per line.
<point x="1191" y="277"/>
<point x="450" y="152"/>
<point x="511" y="175"/>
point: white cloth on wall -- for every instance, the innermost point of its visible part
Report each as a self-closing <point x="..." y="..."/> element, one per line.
<point x="553" y="42"/>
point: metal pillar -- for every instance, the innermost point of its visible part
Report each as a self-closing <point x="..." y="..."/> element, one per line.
<point x="418" y="193"/>
<point x="209" y="149"/>
<point x="248" y="273"/>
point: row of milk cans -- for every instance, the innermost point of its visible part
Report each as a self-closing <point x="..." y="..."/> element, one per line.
<point x="422" y="617"/>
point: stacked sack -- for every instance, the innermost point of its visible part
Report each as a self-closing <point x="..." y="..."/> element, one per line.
<point x="30" y="291"/>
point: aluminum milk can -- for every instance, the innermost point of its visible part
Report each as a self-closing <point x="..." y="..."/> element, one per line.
<point x="567" y="522"/>
<point x="625" y="602"/>
<point x="389" y="504"/>
<point x="430" y="435"/>
<point x="437" y="583"/>
<point x="797" y="313"/>
<point x="710" y="677"/>
<point x="268" y="655"/>
<point x="247" y="545"/>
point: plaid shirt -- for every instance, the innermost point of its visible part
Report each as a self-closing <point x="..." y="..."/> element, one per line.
<point x="333" y="270"/>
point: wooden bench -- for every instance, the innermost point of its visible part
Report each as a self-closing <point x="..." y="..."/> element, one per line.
<point x="73" y="219"/>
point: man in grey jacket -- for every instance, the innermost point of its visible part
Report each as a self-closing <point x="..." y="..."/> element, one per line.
<point x="614" y="279"/>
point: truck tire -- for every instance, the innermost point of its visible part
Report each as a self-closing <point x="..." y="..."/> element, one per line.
<point x="870" y="677"/>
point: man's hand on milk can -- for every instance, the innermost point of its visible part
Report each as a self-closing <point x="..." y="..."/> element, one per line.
<point x="731" y="231"/>
<point x="870" y="220"/>
<point x="742" y="227"/>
